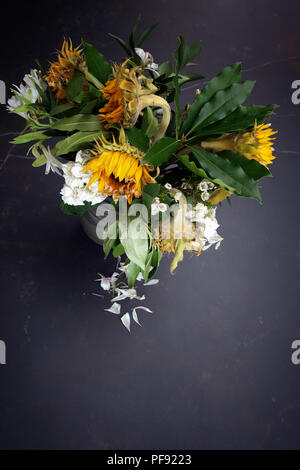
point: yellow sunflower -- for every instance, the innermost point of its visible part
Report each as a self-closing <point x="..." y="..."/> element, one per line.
<point x="256" y="144"/>
<point x="61" y="72"/>
<point x="117" y="168"/>
<point x="128" y="93"/>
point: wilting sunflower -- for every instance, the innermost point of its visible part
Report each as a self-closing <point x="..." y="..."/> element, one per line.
<point x="117" y="168"/>
<point x="256" y="144"/>
<point x="61" y="72"/>
<point x="128" y="93"/>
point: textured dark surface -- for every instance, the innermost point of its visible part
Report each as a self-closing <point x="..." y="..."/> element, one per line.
<point x="211" y="367"/>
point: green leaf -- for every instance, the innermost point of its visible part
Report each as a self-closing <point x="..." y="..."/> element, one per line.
<point x="149" y="123"/>
<point x="191" y="165"/>
<point x="161" y="151"/>
<point x="61" y="108"/>
<point x="240" y="119"/>
<point x="76" y="210"/>
<point x="145" y="34"/>
<point x="188" y="77"/>
<point x="132" y="37"/>
<point x="40" y="159"/>
<point x="88" y="108"/>
<point x="29" y="137"/>
<point x="222" y="103"/>
<point x="184" y="53"/>
<point x="224" y="79"/>
<point x="77" y="141"/>
<point x="166" y="68"/>
<point x="111" y="237"/>
<point x="75" y="85"/>
<point x="252" y="168"/>
<point x="118" y="250"/>
<point x="80" y="122"/>
<point x="138" y="138"/>
<point x="132" y="273"/>
<point x="122" y="43"/>
<point x="228" y="172"/>
<point x="135" y="244"/>
<point x="96" y="63"/>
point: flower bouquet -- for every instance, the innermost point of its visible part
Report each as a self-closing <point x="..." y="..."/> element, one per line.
<point x="118" y="132"/>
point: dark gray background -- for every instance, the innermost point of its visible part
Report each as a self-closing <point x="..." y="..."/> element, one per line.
<point x="211" y="367"/>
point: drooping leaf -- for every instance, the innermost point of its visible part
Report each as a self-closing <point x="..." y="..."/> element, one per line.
<point x="224" y="79"/>
<point x="96" y="63"/>
<point x="135" y="241"/>
<point x="229" y="173"/>
<point x="80" y="122"/>
<point x="161" y="151"/>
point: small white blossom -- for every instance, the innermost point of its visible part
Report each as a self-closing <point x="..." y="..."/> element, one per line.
<point x="158" y="206"/>
<point x="177" y="196"/>
<point x="147" y="60"/>
<point x="205" y="196"/>
<point x="203" y="186"/>
<point x="168" y="186"/>
<point x="52" y="163"/>
<point x="26" y="94"/>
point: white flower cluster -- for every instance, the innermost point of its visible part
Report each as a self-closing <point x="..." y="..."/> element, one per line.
<point x="76" y="191"/>
<point x="204" y="187"/>
<point x="158" y="206"/>
<point x="26" y="94"/>
<point x="206" y="225"/>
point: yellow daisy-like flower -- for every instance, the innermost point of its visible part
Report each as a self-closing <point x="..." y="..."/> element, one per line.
<point x="128" y="94"/>
<point x="61" y="72"/>
<point x="117" y="168"/>
<point x="256" y="144"/>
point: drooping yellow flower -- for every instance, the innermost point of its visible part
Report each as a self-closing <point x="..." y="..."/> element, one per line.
<point x="256" y="144"/>
<point x="61" y="72"/>
<point x="117" y="168"/>
<point x="176" y="235"/>
<point x="128" y="93"/>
